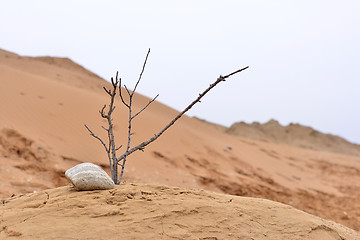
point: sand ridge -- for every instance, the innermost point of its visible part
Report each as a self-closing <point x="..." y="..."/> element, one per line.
<point x="294" y="135"/>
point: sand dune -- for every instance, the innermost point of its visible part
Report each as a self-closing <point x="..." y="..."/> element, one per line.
<point x="294" y="135"/>
<point x="45" y="101"/>
<point x="134" y="211"/>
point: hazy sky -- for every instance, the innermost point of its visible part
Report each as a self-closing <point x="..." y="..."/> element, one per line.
<point x="304" y="56"/>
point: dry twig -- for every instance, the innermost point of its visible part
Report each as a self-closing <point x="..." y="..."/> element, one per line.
<point x="111" y="149"/>
<point x="131" y="116"/>
<point x="145" y="143"/>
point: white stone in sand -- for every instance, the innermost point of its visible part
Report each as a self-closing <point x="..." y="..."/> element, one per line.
<point x="88" y="176"/>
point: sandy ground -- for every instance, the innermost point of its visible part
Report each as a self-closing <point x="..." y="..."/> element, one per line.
<point x="45" y="102"/>
<point x="134" y="211"/>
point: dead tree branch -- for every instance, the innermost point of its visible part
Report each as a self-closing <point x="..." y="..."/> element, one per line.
<point x="152" y="100"/>
<point x="145" y="143"/>
<point x="98" y="138"/>
<point x="131" y="116"/>
<point x="142" y="71"/>
<point x="111" y="149"/>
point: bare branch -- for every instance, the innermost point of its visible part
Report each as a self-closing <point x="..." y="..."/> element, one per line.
<point x="111" y="105"/>
<point x="98" y="138"/>
<point x="144" y="144"/>
<point x="152" y="100"/>
<point x="111" y="150"/>
<point x="240" y="70"/>
<point x="120" y="93"/>
<point x="116" y="82"/>
<point x="121" y="96"/>
<point x="112" y="147"/>
<point x="142" y="71"/>
<point x="131" y="117"/>
<point x="127" y="90"/>
<point x="107" y="91"/>
<point x="102" y="112"/>
<point x="112" y="109"/>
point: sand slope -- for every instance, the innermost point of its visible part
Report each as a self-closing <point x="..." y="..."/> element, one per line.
<point x="134" y="211"/>
<point x="45" y="101"/>
<point x="294" y="135"/>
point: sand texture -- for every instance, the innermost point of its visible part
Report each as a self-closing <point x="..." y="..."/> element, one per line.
<point x="135" y="211"/>
<point x="45" y="103"/>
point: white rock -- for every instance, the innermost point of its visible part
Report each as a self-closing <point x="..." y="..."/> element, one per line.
<point x="88" y="176"/>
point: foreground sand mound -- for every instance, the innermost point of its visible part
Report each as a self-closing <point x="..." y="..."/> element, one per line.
<point x="134" y="211"/>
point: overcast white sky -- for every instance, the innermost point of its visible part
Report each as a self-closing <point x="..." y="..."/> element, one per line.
<point x="304" y="56"/>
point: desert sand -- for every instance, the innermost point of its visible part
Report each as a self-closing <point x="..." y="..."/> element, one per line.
<point x="136" y="211"/>
<point x="45" y="103"/>
<point x="294" y="135"/>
